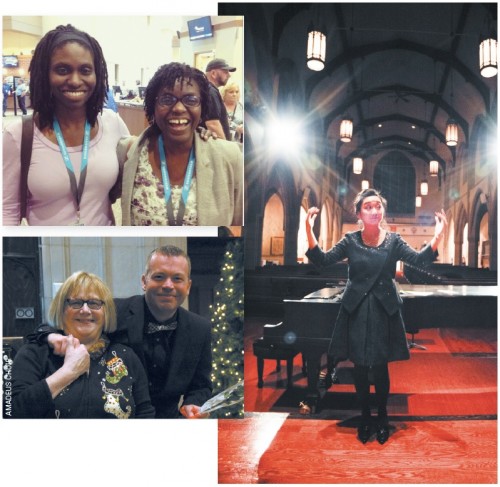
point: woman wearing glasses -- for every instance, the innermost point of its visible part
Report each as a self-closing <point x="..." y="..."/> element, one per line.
<point x="94" y="379"/>
<point x="171" y="176"/>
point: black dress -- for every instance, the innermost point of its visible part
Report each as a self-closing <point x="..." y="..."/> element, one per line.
<point x="369" y="329"/>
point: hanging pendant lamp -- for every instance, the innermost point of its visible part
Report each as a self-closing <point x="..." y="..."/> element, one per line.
<point x="433" y="167"/>
<point x="424" y="187"/>
<point x="316" y="49"/>
<point x="357" y="165"/>
<point x="346" y="130"/>
<point x="451" y="133"/>
<point x="488" y="57"/>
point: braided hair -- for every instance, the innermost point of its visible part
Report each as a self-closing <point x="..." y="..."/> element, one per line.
<point x="166" y="77"/>
<point x="40" y="90"/>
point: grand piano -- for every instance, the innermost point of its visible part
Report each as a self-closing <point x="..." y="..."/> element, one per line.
<point x="308" y="322"/>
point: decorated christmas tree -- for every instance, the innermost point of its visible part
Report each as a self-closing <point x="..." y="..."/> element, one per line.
<point x="227" y="327"/>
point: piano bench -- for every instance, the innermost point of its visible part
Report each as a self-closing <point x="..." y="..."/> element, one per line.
<point x="272" y="351"/>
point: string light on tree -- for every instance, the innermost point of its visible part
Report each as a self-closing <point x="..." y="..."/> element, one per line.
<point x="227" y="327"/>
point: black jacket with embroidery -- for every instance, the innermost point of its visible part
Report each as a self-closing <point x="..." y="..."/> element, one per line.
<point x="115" y="387"/>
<point x="371" y="269"/>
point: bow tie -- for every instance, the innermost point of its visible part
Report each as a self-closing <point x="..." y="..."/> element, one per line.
<point x="155" y="327"/>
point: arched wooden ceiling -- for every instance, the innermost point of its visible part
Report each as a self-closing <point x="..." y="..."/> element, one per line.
<point x="399" y="70"/>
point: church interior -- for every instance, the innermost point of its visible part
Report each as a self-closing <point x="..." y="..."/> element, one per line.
<point x="401" y="97"/>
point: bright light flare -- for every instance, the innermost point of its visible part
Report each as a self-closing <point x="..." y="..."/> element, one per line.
<point x="285" y="136"/>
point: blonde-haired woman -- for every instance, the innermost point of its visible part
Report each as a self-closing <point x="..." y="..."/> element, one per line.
<point x="231" y="97"/>
<point x="94" y="379"/>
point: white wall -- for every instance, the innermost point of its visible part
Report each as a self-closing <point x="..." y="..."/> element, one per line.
<point x="140" y="44"/>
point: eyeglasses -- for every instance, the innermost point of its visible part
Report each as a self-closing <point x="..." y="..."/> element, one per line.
<point x="169" y="100"/>
<point x="94" y="304"/>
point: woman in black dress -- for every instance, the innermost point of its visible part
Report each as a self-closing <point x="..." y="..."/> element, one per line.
<point x="369" y="329"/>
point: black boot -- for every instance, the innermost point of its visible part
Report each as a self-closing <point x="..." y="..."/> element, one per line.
<point x="364" y="430"/>
<point x="382" y="429"/>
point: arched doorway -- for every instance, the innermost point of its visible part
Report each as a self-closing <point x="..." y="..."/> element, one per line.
<point x="301" y="237"/>
<point x="465" y="245"/>
<point x="461" y="237"/>
<point x="326" y="225"/>
<point x="450" y="245"/>
<point x="483" y="250"/>
<point x="479" y="232"/>
<point x="273" y="232"/>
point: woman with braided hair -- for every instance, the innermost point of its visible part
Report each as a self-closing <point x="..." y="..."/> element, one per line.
<point x="171" y="176"/>
<point x="73" y="166"/>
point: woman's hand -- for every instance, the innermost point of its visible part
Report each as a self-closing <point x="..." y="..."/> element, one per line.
<point x="77" y="358"/>
<point x="440" y="229"/>
<point x="312" y="213"/>
<point x="441" y="224"/>
<point x="76" y="363"/>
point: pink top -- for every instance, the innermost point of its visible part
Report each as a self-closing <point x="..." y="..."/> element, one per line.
<point x="50" y="200"/>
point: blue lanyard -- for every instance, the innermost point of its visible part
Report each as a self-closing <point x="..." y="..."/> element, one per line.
<point x="168" y="188"/>
<point x="77" y="192"/>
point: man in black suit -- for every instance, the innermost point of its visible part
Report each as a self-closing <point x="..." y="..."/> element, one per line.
<point x="173" y="344"/>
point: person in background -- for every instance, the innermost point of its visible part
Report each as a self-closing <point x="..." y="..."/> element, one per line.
<point x="21" y="91"/>
<point x="369" y="329"/>
<point x="218" y="73"/>
<point x="171" y="175"/>
<point x="94" y="379"/>
<point x="231" y="97"/>
<point x="110" y="102"/>
<point x="74" y="166"/>
<point x="6" y="91"/>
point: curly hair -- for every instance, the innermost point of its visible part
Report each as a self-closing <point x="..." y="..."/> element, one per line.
<point x="40" y="90"/>
<point x="166" y="77"/>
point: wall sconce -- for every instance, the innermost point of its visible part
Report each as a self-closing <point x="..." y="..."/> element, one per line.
<point x="365" y="184"/>
<point x="488" y="57"/>
<point x="357" y="165"/>
<point x="316" y="49"/>
<point x="433" y="168"/>
<point x="346" y="130"/>
<point x="418" y="201"/>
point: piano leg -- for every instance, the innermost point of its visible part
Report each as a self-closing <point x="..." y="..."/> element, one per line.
<point x="289" y="372"/>
<point x="313" y="360"/>
<point x="260" y="372"/>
